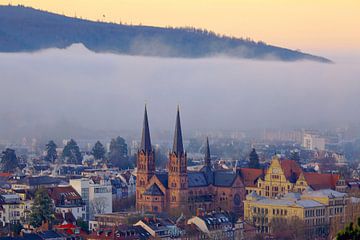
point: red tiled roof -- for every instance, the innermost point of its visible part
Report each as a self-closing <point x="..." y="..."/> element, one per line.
<point x="5" y="174"/>
<point x="321" y="180"/>
<point x="250" y="175"/>
<point x="289" y="167"/>
<point x="68" y="192"/>
<point x="66" y="226"/>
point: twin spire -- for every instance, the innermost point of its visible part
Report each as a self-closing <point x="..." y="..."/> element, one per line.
<point x="207" y="153"/>
<point x="178" y="147"/>
<point x="145" y="138"/>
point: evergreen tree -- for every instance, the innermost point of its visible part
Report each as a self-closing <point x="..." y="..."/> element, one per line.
<point x="71" y="153"/>
<point x="98" y="151"/>
<point x="51" y="154"/>
<point x="350" y="232"/>
<point x="295" y="155"/>
<point x="42" y="209"/>
<point x="254" y="159"/>
<point x="9" y="161"/>
<point x="118" y="154"/>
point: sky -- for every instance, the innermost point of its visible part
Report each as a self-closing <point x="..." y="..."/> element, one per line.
<point x="319" y="27"/>
<point x="67" y="92"/>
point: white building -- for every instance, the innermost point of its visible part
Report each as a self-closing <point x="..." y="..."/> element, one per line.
<point x="96" y="193"/>
<point x="11" y="209"/>
<point x="313" y="142"/>
<point x="67" y="202"/>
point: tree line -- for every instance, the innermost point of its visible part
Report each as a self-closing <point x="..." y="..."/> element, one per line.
<point x="71" y="154"/>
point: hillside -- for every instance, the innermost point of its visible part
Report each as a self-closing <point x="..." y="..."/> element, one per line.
<point x="24" y="29"/>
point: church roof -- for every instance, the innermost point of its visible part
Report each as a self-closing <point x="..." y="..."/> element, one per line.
<point x="178" y="147"/>
<point x="197" y="179"/>
<point x="145" y="138"/>
<point x="154" y="190"/>
<point x="163" y="178"/>
<point x="224" y="178"/>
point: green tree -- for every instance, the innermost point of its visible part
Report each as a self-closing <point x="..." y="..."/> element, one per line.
<point x="9" y="161"/>
<point x="71" y="153"/>
<point x="84" y="225"/>
<point x="42" y="209"/>
<point x="16" y="228"/>
<point x="350" y="232"/>
<point x="98" y="151"/>
<point x="254" y="159"/>
<point x="118" y="154"/>
<point x="51" y="153"/>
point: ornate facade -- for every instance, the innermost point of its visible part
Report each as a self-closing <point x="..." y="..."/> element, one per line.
<point x="208" y="189"/>
<point x="183" y="190"/>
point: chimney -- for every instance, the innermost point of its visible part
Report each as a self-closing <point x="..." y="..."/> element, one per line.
<point x="200" y="212"/>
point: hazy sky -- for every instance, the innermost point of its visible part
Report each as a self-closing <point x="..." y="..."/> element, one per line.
<point x="48" y="91"/>
<point x="316" y="26"/>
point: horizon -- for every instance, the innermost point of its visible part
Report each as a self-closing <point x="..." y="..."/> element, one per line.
<point x="314" y="34"/>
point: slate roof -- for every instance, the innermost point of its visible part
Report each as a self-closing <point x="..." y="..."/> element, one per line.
<point x="224" y="178"/>
<point x="207" y="153"/>
<point x="163" y="178"/>
<point x="197" y="179"/>
<point x="145" y="138"/>
<point x="215" y="220"/>
<point x="325" y="193"/>
<point x="42" y="180"/>
<point x="154" y="190"/>
<point x="178" y="147"/>
<point x="49" y="234"/>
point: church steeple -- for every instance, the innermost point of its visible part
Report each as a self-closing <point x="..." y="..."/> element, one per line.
<point x="178" y="147"/>
<point x="145" y="139"/>
<point x="207" y="153"/>
<point x="145" y="164"/>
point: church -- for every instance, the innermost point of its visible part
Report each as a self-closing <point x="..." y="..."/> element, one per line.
<point x="178" y="188"/>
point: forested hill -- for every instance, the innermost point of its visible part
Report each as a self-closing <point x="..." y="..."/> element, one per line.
<point x="24" y="29"/>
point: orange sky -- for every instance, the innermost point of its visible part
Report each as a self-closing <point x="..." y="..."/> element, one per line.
<point x="309" y="25"/>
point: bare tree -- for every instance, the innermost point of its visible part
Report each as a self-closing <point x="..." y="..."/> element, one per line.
<point x="98" y="206"/>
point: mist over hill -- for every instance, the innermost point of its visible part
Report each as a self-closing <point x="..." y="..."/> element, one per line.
<point x="24" y="29"/>
<point x="77" y="93"/>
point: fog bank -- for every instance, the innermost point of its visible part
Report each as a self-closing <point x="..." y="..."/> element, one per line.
<point x="83" y="90"/>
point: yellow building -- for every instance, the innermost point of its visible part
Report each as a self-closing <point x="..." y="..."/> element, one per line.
<point x="284" y="176"/>
<point x="316" y="209"/>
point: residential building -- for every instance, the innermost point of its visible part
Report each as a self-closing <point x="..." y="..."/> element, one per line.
<point x="284" y="176"/>
<point x="96" y="194"/>
<point x="67" y="202"/>
<point x="313" y="142"/>
<point x="318" y="210"/>
<point x="214" y="225"/>
<point x="160" y="228"/>
<point x="11" y="209"/>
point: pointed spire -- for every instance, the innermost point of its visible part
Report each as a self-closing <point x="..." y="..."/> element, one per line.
<point x="145" y="139"/>
<point x="207" y="153"/>
<point x="178" y="147"/>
